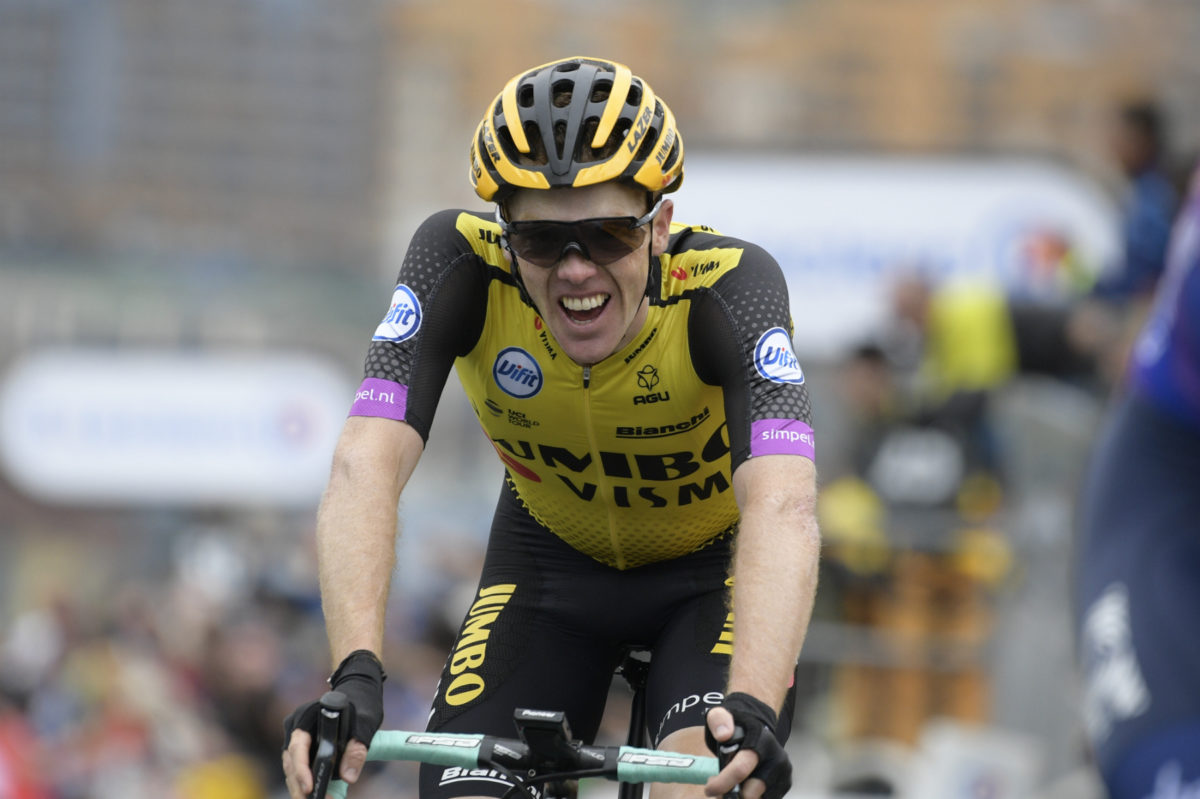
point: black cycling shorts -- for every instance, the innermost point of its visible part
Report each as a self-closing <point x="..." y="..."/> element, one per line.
<point x="548" y="627"/>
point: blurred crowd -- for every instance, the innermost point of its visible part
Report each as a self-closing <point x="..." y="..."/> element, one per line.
<point x="173" y="679"/>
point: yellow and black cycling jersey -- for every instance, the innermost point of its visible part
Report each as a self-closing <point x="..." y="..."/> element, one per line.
<point x="630" y="460"/>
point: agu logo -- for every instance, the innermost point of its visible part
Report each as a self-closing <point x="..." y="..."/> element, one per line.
<point x="403" y="318"/>
<point x="647" y="377"/>
<point x="774" y="358"/>
<point x="517" y="373"/>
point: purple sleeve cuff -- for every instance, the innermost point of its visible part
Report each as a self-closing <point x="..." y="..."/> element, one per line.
<point x="781" y="437"/>
<point x="382" y="398"/>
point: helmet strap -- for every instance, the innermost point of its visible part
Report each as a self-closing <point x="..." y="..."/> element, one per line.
<point x="516" y="273"/>
<point x="653" y="272"/>
<point x="516" y="269"/>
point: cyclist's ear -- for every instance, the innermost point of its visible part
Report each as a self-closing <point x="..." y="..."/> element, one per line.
<point x="661" y="228"/>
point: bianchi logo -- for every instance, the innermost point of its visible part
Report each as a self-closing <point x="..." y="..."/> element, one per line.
<point x="517" y="373"/>
<point x="403" y="318"/>
<point x="457" y="774"/>
<point x="681" y="426"/>
<point x="774" y="358"/>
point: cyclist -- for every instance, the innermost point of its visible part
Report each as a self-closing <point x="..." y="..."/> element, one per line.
<point x="1139" y="555"/>
<point x="638" y="381"/>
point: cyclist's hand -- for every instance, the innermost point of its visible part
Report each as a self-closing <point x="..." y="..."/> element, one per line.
<point x="741" y="733"/>
<point x="298" y="774"/>
<point x="359" y="682"/>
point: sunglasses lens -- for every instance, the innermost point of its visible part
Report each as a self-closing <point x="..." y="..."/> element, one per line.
<point x="601" y="241"/>
<point x="621" y="230"/>
<point x="613" y="239"/>
<point x="538" y="243"/>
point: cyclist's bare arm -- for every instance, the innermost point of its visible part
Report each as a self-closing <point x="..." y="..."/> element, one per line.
<point x="775" y="572"/>
<point x="775" y="580"/>
<point x="356" y="538"/>
<point x="356" y="529"/>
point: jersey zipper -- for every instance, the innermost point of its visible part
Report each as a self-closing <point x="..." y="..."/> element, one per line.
<point x="601" y="482"/>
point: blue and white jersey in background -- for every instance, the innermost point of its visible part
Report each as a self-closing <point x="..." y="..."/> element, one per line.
<point x="1166" y="360"/>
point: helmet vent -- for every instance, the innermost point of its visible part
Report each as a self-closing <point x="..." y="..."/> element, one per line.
<point x="560" y="137"/>
<point x="648" y="142"/>
<point x="601" y="91"/>
<point x="537" y="151"/>
<point x="620" y="130"/>
<point x="587" y="153"/>
<point x="669" y="161"/>
<point x="563" y="90"/>
<point x="524" y="97"/>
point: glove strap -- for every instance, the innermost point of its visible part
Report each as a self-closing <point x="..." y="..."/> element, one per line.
<point x="743" y="707"/>
<point x="753" y="706"/>
<point x="359" y="663"/>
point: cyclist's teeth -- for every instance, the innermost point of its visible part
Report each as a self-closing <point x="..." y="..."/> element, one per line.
<point x="584" y="303"/>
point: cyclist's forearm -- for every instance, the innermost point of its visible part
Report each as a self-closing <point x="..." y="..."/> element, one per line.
<point x="775" y="578"/>
<point x="356" y="534"/>
<point x="355" y="549"/>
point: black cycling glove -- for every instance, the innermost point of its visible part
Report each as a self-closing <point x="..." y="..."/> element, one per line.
<point x="754" y="729"/>
<point x="360" y="678"/>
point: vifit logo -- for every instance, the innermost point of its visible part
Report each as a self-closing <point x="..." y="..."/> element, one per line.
<point x="403" y="318"/>
<point x="775" y="359"/>
<point x="517" y="373"/>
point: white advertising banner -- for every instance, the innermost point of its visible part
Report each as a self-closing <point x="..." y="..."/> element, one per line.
<point x="843" y="228"/>
<point x="113" y="427"/>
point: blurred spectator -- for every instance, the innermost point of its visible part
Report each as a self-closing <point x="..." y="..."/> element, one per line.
<point x="964" y="340"/>
<point x="1140" y="148"/>
<point x="1106" y="320"/>
<point x="910" y="548"/>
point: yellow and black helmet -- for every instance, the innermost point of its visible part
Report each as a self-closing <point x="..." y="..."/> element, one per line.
<point x="575" y="122"/>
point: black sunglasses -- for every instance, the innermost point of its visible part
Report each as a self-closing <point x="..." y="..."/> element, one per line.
<point x="601" y="240"/>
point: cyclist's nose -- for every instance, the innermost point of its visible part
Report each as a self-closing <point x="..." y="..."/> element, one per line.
<point x="574" y="266"/>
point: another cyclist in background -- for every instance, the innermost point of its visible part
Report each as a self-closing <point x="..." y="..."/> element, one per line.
<point x="1138" y="592"/>
<point x="638" y="380"/>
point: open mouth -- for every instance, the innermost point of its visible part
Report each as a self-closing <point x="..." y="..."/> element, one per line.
<point x="584" y="309"/>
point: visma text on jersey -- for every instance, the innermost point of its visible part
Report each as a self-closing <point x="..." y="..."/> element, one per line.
<point x="666" y="467"/>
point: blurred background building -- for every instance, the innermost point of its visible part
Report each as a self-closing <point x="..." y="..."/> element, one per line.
<point x="230" y="184"/>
